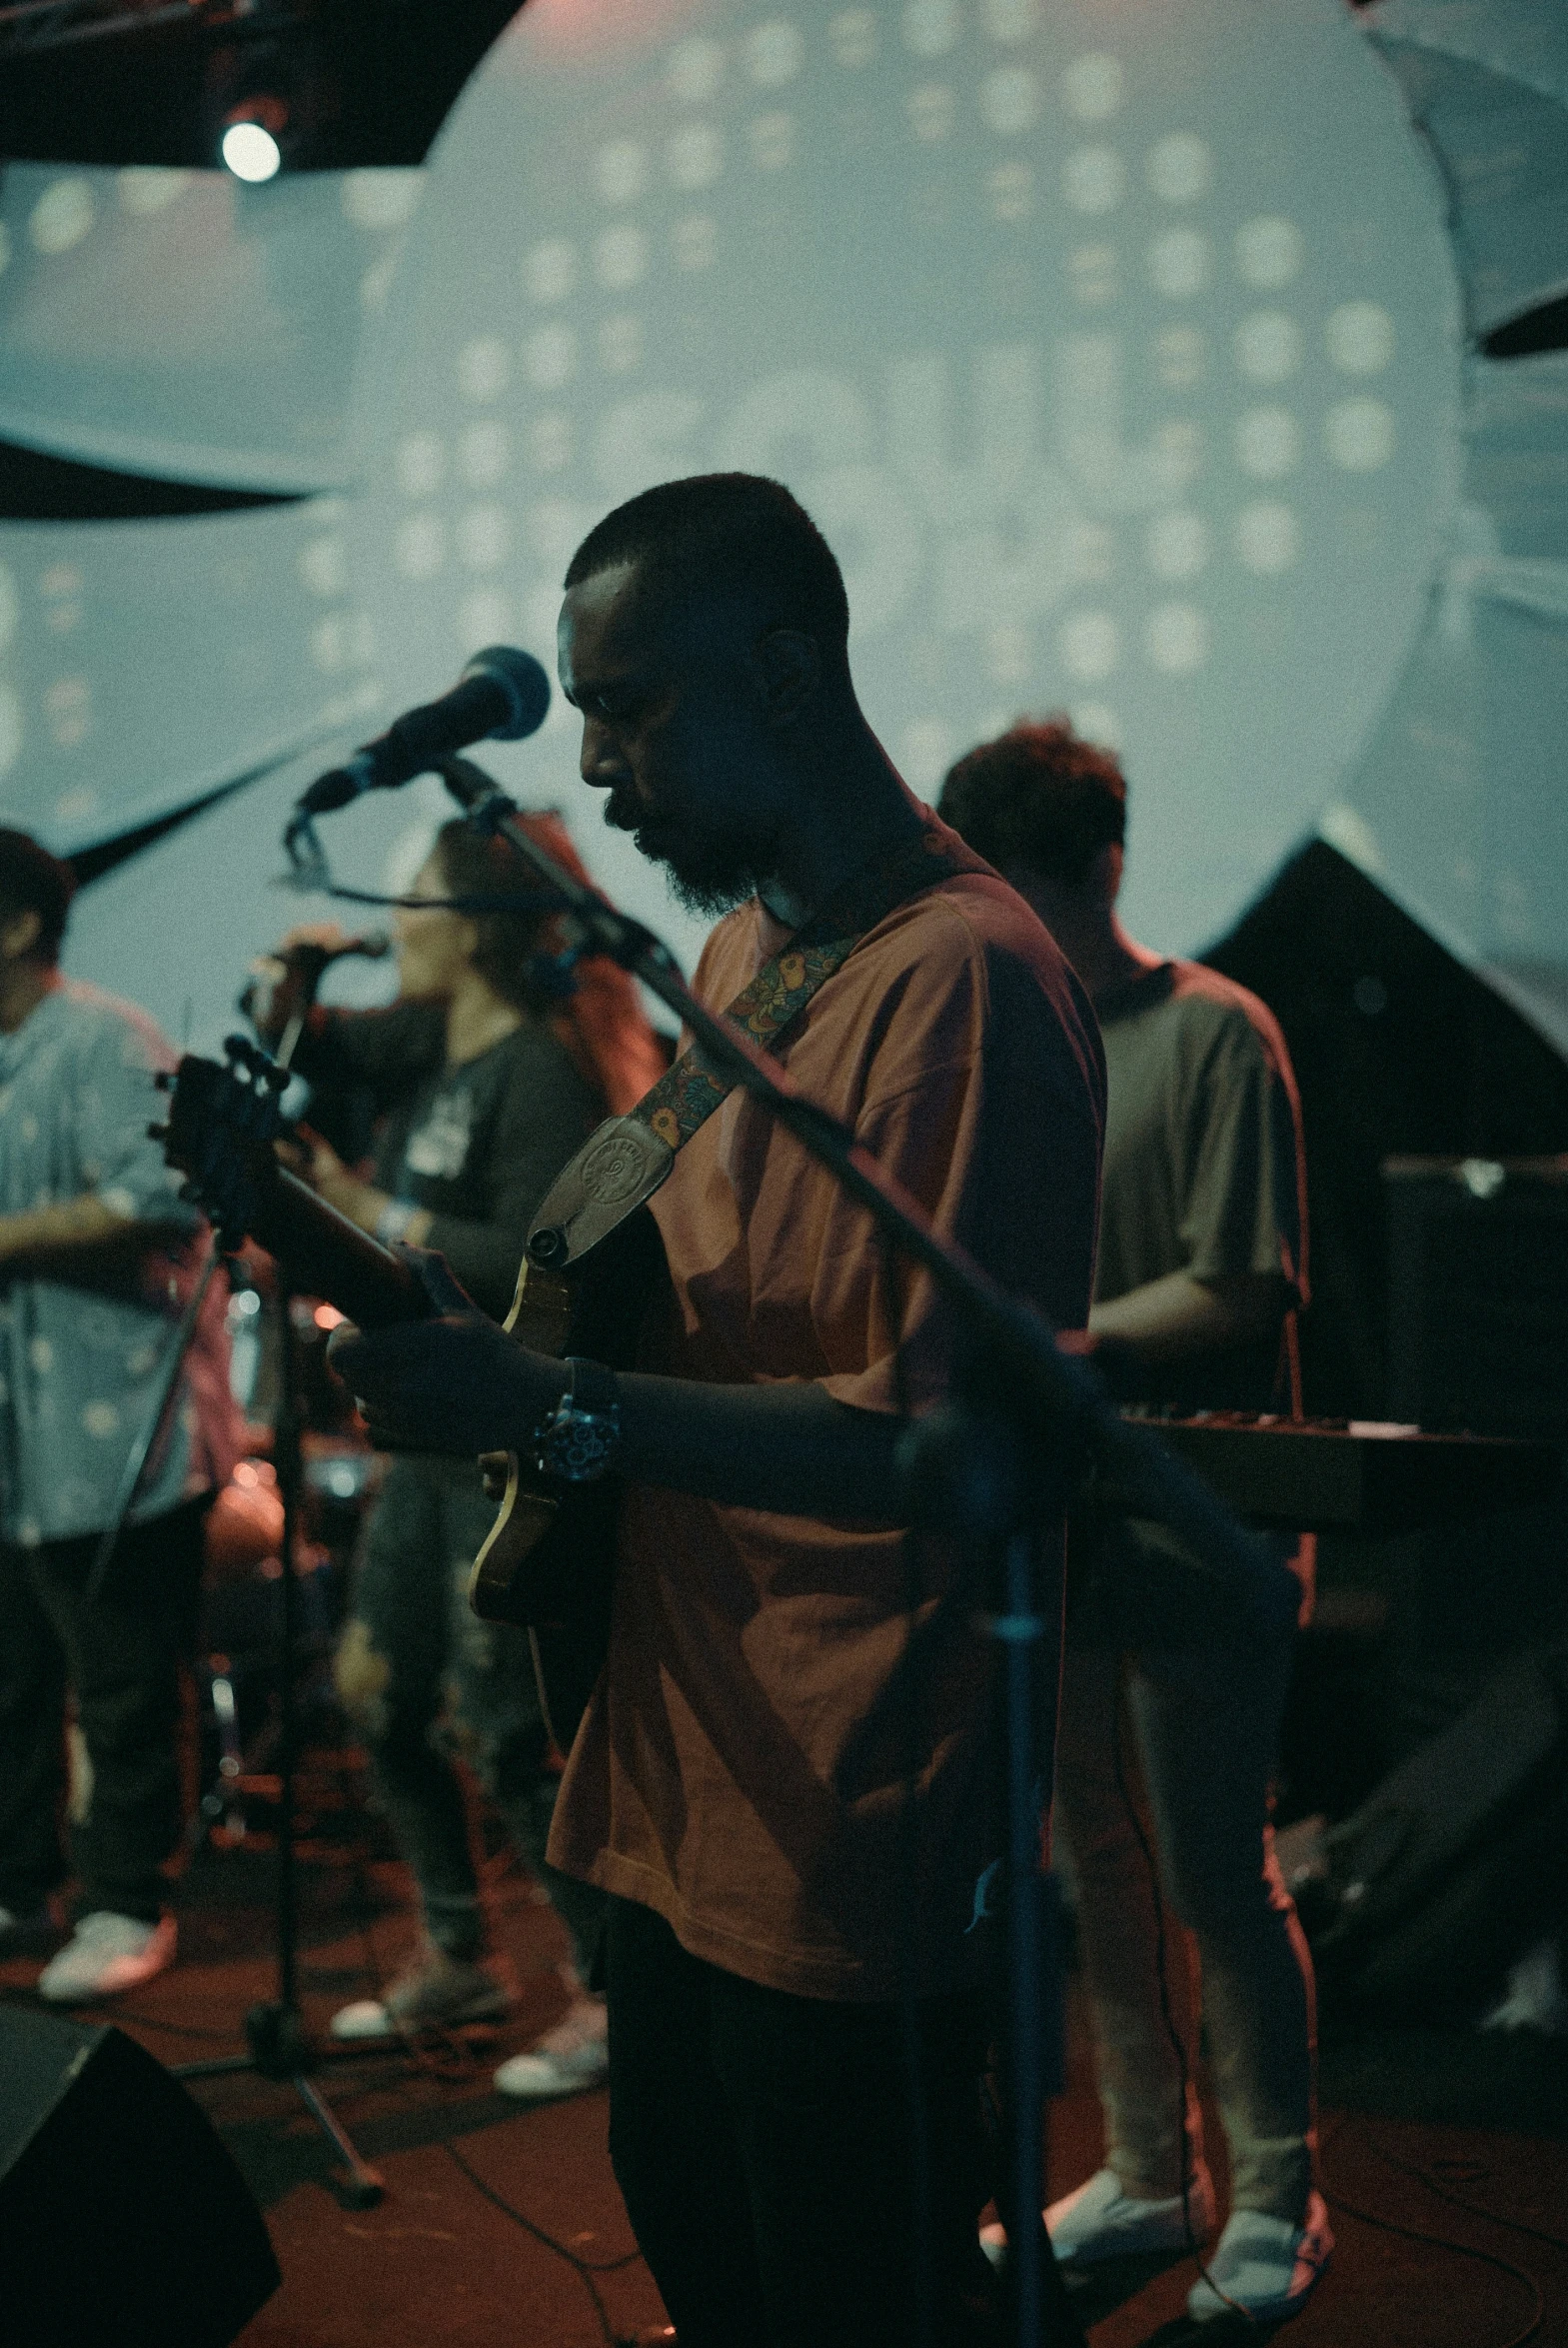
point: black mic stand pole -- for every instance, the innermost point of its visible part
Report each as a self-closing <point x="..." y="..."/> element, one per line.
<point x="1023" y="1401"/>
<point x="275" y="2032"/>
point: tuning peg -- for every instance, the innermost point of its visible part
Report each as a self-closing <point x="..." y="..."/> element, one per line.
<point x="157" y="1132"/>
<point x="164" y="1081"/>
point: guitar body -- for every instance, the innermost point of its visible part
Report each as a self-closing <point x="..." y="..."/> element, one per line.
<point x="548" y="1563"/>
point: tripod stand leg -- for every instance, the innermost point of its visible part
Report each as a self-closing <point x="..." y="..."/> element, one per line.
<point x="359" y="2186"/>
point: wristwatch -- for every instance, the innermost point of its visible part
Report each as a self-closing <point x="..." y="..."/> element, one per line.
<point x="579" y="1440"/>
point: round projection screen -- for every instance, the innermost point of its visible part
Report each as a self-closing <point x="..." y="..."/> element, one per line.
<point x="1113" y="347"/>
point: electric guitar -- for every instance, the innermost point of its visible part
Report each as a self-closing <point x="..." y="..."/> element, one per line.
<point x="548" y="1560"/>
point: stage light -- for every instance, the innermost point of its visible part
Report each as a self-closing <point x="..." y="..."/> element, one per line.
<point x="257" y="132"/>
<point x="251" y="152"/>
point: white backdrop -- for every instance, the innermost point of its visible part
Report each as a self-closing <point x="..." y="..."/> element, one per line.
<point x="1458" y="806"/>
<point x="1113" y="382"/>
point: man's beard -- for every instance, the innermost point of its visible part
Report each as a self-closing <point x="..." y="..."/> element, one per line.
<point x="709" y="874"/>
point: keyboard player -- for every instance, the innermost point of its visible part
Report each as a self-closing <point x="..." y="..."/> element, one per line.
<point x="1169" y="1698"/>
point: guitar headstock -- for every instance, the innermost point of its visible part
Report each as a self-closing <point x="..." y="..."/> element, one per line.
<point x="223" y="1121"/>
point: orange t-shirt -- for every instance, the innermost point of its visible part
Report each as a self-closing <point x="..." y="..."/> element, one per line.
<point x="717" y="1776"/>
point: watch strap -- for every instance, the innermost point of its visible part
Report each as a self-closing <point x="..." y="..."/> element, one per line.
<point x="591" y="1386"/>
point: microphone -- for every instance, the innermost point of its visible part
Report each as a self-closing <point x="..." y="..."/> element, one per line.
<point x="500" y="695"/>
<point x="300" y="973"/>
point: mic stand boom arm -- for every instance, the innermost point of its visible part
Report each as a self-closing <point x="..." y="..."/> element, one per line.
<point x="1050" y="1394"/>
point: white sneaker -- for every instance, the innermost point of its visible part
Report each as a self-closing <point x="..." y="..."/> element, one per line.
<point x="1264" y="2265"/>
<point x="432" y="1993"/>
<point x="1100" y="2221"/>
<point x="568" y="2060"/>
<point x="106" y="1955"/>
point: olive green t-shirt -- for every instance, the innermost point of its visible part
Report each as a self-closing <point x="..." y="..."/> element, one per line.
<point x="1203" y="1173"/>
<point x="1203" y="1168"/>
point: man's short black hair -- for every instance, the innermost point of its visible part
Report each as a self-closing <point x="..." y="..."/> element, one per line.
<point x="1041" y="797"/>
<point x="33" y="881"/>
<point x="730" y="535"/>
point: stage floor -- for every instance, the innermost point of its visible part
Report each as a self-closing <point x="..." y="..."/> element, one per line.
<point x="502" y="2223"/>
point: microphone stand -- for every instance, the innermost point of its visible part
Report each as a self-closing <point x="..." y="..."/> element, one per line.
<point x="1022" y="1401"/>
<point x="279" y="2045"/>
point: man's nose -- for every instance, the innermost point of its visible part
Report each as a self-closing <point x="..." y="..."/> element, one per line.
<point x="601" y="762"/>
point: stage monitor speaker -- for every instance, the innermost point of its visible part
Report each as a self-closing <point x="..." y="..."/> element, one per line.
<point x="1479" y="1302"/>
<point x="124" y="2222"/>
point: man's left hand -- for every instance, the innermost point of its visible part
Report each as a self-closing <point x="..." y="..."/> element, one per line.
<point x="454" y="1383"/>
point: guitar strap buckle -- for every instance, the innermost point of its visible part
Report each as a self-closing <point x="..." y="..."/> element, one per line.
<point x="619" y="1168"/>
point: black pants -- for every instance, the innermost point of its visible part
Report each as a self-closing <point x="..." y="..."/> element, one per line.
<point x="762" y="2144"/>
<point x="120" y="1655"/>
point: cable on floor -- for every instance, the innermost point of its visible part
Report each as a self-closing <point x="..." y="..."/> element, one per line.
<point x="1431" y="2241"/>
<point x="1443" y="2193"/>
<point x="585" y="2268"/>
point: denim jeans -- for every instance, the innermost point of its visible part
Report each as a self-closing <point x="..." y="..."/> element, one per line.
<point x="425" y="1682"/>
<point x="1196" y="1729"/>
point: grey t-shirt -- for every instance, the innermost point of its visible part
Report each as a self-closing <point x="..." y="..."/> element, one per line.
<point x="80" y="1362"/>
<point x="1204" y="1166"/>
<point x="477" y="1144"/>
<point x="1203" y="1173"/>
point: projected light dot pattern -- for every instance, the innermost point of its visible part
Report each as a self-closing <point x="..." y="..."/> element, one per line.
<point x="62" y="216"/>
<point x="323" y="565"/>
<point x="1178" y="638"/>
<point x="381" y="198"/>
<point x="1092" y="86"/>
<point x="1359" y="435"/>
<point x="1180" y="169"/>
<point x="1359" y="337"/>
<point x="145" y="189"/>
<point x="1269" y="252"/>
<point x="1029" y="319"/>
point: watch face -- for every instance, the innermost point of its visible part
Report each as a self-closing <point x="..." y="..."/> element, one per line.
<point x="577" y="1444"/>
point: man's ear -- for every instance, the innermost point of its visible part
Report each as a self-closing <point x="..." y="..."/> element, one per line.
<point x="21" y="934"/>
<point x="787" y="667"/>
<point x="1105" y="874"/>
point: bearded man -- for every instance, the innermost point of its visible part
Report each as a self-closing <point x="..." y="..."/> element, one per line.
<point x="723" y="1789"/>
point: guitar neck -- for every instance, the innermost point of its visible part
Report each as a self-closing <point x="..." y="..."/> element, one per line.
<point x="325" y="1255"/>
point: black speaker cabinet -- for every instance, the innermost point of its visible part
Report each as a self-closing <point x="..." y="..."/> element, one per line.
<point x="1478" y="1338"/>
<point x="124" y="2222"/>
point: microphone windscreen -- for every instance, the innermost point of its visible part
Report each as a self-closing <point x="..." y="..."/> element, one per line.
<point x="524" y="683"/>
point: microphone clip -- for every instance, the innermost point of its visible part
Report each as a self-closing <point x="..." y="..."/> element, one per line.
<point x="308" y="867"/>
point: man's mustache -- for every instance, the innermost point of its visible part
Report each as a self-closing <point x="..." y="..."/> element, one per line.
<point x="624" y="812"/>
